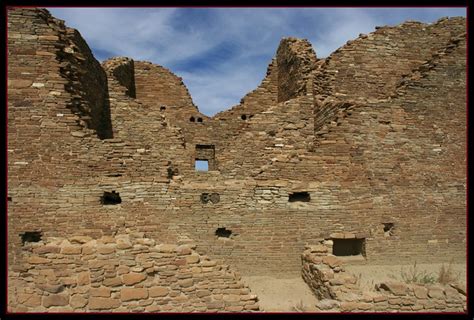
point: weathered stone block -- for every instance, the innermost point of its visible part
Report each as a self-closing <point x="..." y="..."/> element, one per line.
<point x="48" y="38"/>
<point x="337" y="235"/>
<point x="153" y="308"/>
<point x="100" y="292"/>
<point x="107" y="249"/>
<point x="436" y="293"/>
<point x="123" y="243"/>
<point x="80" y="239"/>
<point x="194" y="258"/>
<point x="112" y="282"/>
<point x="158" y="291"/>
<point x="19" y="83"/>
<point x="234" y="308"/>
<point x="208" y="263"/>
<point x="46" y="249"/>
<point x="55" y="300"/>
<point x="53" y="288"/>
<point x="452" y="293"/>
<point x="231" y="297"/>
<point x="83" y="278"/>
<point x="133" y="278"/>
<point x="38" y="260"/>
<point x="319" y="248"/>
<point x="78" y="301"/>
<point x="203" y="293"/>
<point x="127" y="294"/>
<point x="166" y="247"/>
<point x="420" y="292"/>
<point x="183" y="250"/>
<point x="185" y="283"/>
<point x="397" y="288"/>
<point x="96" y="303"/>
<point x="29" y="299"/>
<point x="332" y="261"/>
<point x="348" y="306"/>
<point x="123" y="270"/>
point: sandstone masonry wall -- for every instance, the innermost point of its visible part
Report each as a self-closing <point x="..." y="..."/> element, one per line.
<point x="296" y="60"/>
<point x="123" y="70"/>
<point x="370" y="66"/>
<point x="338" y="291"/>
<point x="124" y="273"/>
<point x="397" y="156"/>
<point x="92" y="103"/>
<point x="157" y="86"/>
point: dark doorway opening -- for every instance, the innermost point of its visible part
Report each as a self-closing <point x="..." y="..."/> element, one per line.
<point x="348" y="247"/>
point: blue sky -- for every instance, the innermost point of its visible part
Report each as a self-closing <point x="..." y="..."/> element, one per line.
<point x="223" y="53"/>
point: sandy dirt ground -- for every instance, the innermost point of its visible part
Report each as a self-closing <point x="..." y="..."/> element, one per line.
<point x="371" y="274"/>
<point x="291" y="294"/>
<point x="281" y="294"/>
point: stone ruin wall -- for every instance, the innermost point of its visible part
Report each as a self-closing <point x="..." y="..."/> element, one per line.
<point x="395" y="156"/>
<point x="340" y="291"/>
<point x="370" y="66"/>
<point x="124" y="273"/>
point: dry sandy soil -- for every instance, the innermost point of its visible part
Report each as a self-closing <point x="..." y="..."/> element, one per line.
<point x="291" y="294"/>
<point x="372" y="274"/>
<point x="281" y="294"/>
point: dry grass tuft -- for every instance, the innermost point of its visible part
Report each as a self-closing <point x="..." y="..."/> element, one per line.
<point x="413" y="275"/>
<point x="447" y="275"/>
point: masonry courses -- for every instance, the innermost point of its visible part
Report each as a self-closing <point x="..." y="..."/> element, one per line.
<point x="106" y="211"/>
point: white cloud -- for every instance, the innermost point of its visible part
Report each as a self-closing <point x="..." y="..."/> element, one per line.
<point x="217" y="91"/>
<point x="218" y="80"/>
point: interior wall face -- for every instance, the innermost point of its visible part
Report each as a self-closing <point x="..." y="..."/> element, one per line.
<point x="368" y="153"/>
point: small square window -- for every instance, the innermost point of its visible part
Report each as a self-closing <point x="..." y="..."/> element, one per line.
<point x="110" y="198"/>
<point x="202" y="165"/>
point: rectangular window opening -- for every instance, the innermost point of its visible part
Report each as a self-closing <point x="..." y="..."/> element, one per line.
<point x="348" y="247"/>
<point x="299" y="197"/>
<point x="31" y="236"/>
<point x="201" y="165"/>
<point x="205" y="146"/>
<point x="205" y="158"/>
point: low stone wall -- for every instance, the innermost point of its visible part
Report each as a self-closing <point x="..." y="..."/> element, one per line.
<point x="122" y="274"/>
<point x="339" y="291"/>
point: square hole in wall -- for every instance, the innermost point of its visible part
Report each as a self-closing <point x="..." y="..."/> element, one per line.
<point x="388" y="229"/>
<point x="348" y="247"/>
<point x="201" y="165"/>
<point x="110" y="198"/>
<point x="31" y="236"/>
<point x="299" y="197"/>
<point x="223" y="233"/>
